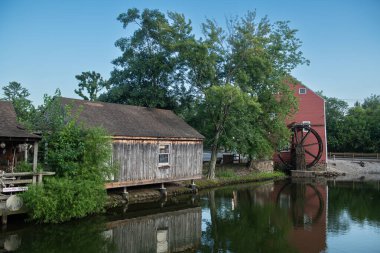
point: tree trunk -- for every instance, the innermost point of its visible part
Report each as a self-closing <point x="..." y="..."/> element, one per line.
<point x="214" y="156"/>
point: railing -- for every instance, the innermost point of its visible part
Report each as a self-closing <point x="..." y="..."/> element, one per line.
<point x="18" y="181"/>
<point x="354" y="156"/>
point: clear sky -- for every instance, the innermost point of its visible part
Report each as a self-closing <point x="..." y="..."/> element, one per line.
<point x="44" y="44"/>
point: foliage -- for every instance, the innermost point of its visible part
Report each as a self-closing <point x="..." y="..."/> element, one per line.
<point x="150" y="71"/>
<point x="354" y="129"/>
<point x="164" y="65"/>
<point x="24" y="167"/>
<point x="81" y="158"/>
<point x="61" y="199"/>
<point x="226" y="113"/>
<point x="18" y="95"/>
<point x="92" y="82"/>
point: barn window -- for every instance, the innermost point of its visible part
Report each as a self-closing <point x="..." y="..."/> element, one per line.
<point x="164" y="155"/>
<point x="302" y="91"/>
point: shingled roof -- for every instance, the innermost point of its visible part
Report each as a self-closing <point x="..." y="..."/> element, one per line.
<point x="131" y="121"/>
<point x="9" y="126"/>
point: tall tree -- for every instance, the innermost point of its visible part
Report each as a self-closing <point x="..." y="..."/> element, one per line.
<point x="256" y="56"/>
<point x="92" y="83"/>
<point x="150" y="70"/>
<point x="18" y="95"/>
<point x="226" y="116"/>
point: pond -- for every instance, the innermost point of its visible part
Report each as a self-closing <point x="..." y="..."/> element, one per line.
<point x="280" y="216"/>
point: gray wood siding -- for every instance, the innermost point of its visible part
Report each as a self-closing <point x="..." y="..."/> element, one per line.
<point x="183" y="230"/>
<point x="138" y="160"/>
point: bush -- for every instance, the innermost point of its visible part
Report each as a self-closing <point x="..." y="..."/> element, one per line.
<point x="61" y="199"/>
<point x="81" y="157"/>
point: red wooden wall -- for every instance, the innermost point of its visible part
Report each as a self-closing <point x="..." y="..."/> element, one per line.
<point x="311" y="107"/>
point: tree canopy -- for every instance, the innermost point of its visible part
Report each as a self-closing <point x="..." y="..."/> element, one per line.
<point x="353" y="129"/>
<point x="163" y="64"/>
<point x="92" y="83"/>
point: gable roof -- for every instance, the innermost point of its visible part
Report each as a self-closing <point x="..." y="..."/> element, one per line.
<point x="9" y="126"/>
<point x="131" y="121"/>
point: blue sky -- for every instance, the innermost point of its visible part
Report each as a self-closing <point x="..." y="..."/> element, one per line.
<point x="44" y="44"/>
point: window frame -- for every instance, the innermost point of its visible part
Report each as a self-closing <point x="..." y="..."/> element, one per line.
<point x="306" y="122"/>
<point x="166" y="164"/>
<point x="302" y="93"/>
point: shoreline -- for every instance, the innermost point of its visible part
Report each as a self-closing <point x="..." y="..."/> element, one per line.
<point x="145" y="195"/>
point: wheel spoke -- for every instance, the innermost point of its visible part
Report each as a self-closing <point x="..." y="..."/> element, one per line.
<point x="296" y="135"/>
<point x="311" y="144"/>
<point x="310" y="154"/>
<point x="303" y="138"/>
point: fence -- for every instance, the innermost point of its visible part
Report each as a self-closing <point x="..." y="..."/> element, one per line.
<point x="355" y="156"/>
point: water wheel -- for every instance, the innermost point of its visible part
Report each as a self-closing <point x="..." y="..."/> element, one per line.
<point x="306" y="147"/>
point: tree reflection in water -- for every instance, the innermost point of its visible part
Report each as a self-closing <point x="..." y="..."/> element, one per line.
<point x="280" y="217"/>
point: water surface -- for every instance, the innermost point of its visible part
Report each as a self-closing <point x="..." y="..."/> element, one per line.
<point x="281" y="216"/>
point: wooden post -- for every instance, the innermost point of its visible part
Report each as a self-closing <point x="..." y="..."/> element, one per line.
<point x="26" y="152"/>
<point x="163" y="191"/>
<point x="40" y="178"/>
<point x="35" y="156"/>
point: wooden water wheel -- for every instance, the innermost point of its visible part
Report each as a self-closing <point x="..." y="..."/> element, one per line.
<point x="306" y="147"/>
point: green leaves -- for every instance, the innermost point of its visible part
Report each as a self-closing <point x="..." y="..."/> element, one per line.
<point x="355" y="129"/>
<point x="24" y="108"/>
<point x="93" y="83"/>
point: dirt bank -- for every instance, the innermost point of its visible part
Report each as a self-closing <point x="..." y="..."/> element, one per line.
<point x="355" y="170"/>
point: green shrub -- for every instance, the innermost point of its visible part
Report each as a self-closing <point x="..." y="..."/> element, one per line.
<point x="61" y="199"/>
<point x="24" y="167"/>
<point x="81" y="157"/>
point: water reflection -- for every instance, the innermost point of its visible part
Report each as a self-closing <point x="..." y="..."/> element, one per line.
<point x="281" y="216"/>
<point x="156" y="227"/>
<point x="275" y="217"/>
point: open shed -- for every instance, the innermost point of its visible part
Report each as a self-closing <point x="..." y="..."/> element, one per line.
<point x="150" y="145"/>
<point x="16" y="143"/>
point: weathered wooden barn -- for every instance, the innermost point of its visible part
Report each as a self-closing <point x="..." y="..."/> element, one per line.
<point x="311" y="111"/>
<point x="150" y="145"/>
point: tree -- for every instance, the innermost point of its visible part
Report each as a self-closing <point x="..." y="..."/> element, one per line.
<point x="226" y="112"/>
<point x="92" y="83"/>
<point x="18" y="95"/>
<point x="150" y="72"/>
<point x="336" y="111"/>
<point x="257" y="57"/>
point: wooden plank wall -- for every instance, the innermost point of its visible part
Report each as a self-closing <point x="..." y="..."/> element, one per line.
<point x="140" y="234"/>
<point x="138" y="159"/>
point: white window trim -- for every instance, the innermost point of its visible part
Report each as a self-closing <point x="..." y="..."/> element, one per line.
<point x="301" y="93"/>
<point x="306" y="122"/>
<point x="164" y="164"/>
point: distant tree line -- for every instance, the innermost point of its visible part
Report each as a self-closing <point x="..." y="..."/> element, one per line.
<point x="353" y="129"/>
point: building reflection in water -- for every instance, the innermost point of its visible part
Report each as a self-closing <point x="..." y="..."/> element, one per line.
<point x="306" y="203"/>
<point x="175" y="231"/>
<point x="174" y="228"/>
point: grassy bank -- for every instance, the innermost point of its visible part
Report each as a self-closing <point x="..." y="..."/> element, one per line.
<point x="230" y="177"/>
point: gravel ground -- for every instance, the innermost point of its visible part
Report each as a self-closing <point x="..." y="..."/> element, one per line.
<point x="354" y="171"/>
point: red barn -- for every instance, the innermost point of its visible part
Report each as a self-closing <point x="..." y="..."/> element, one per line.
<point x="311" y="110"/>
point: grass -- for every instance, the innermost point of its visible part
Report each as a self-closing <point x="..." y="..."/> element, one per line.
<point x="236" y="174"/>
